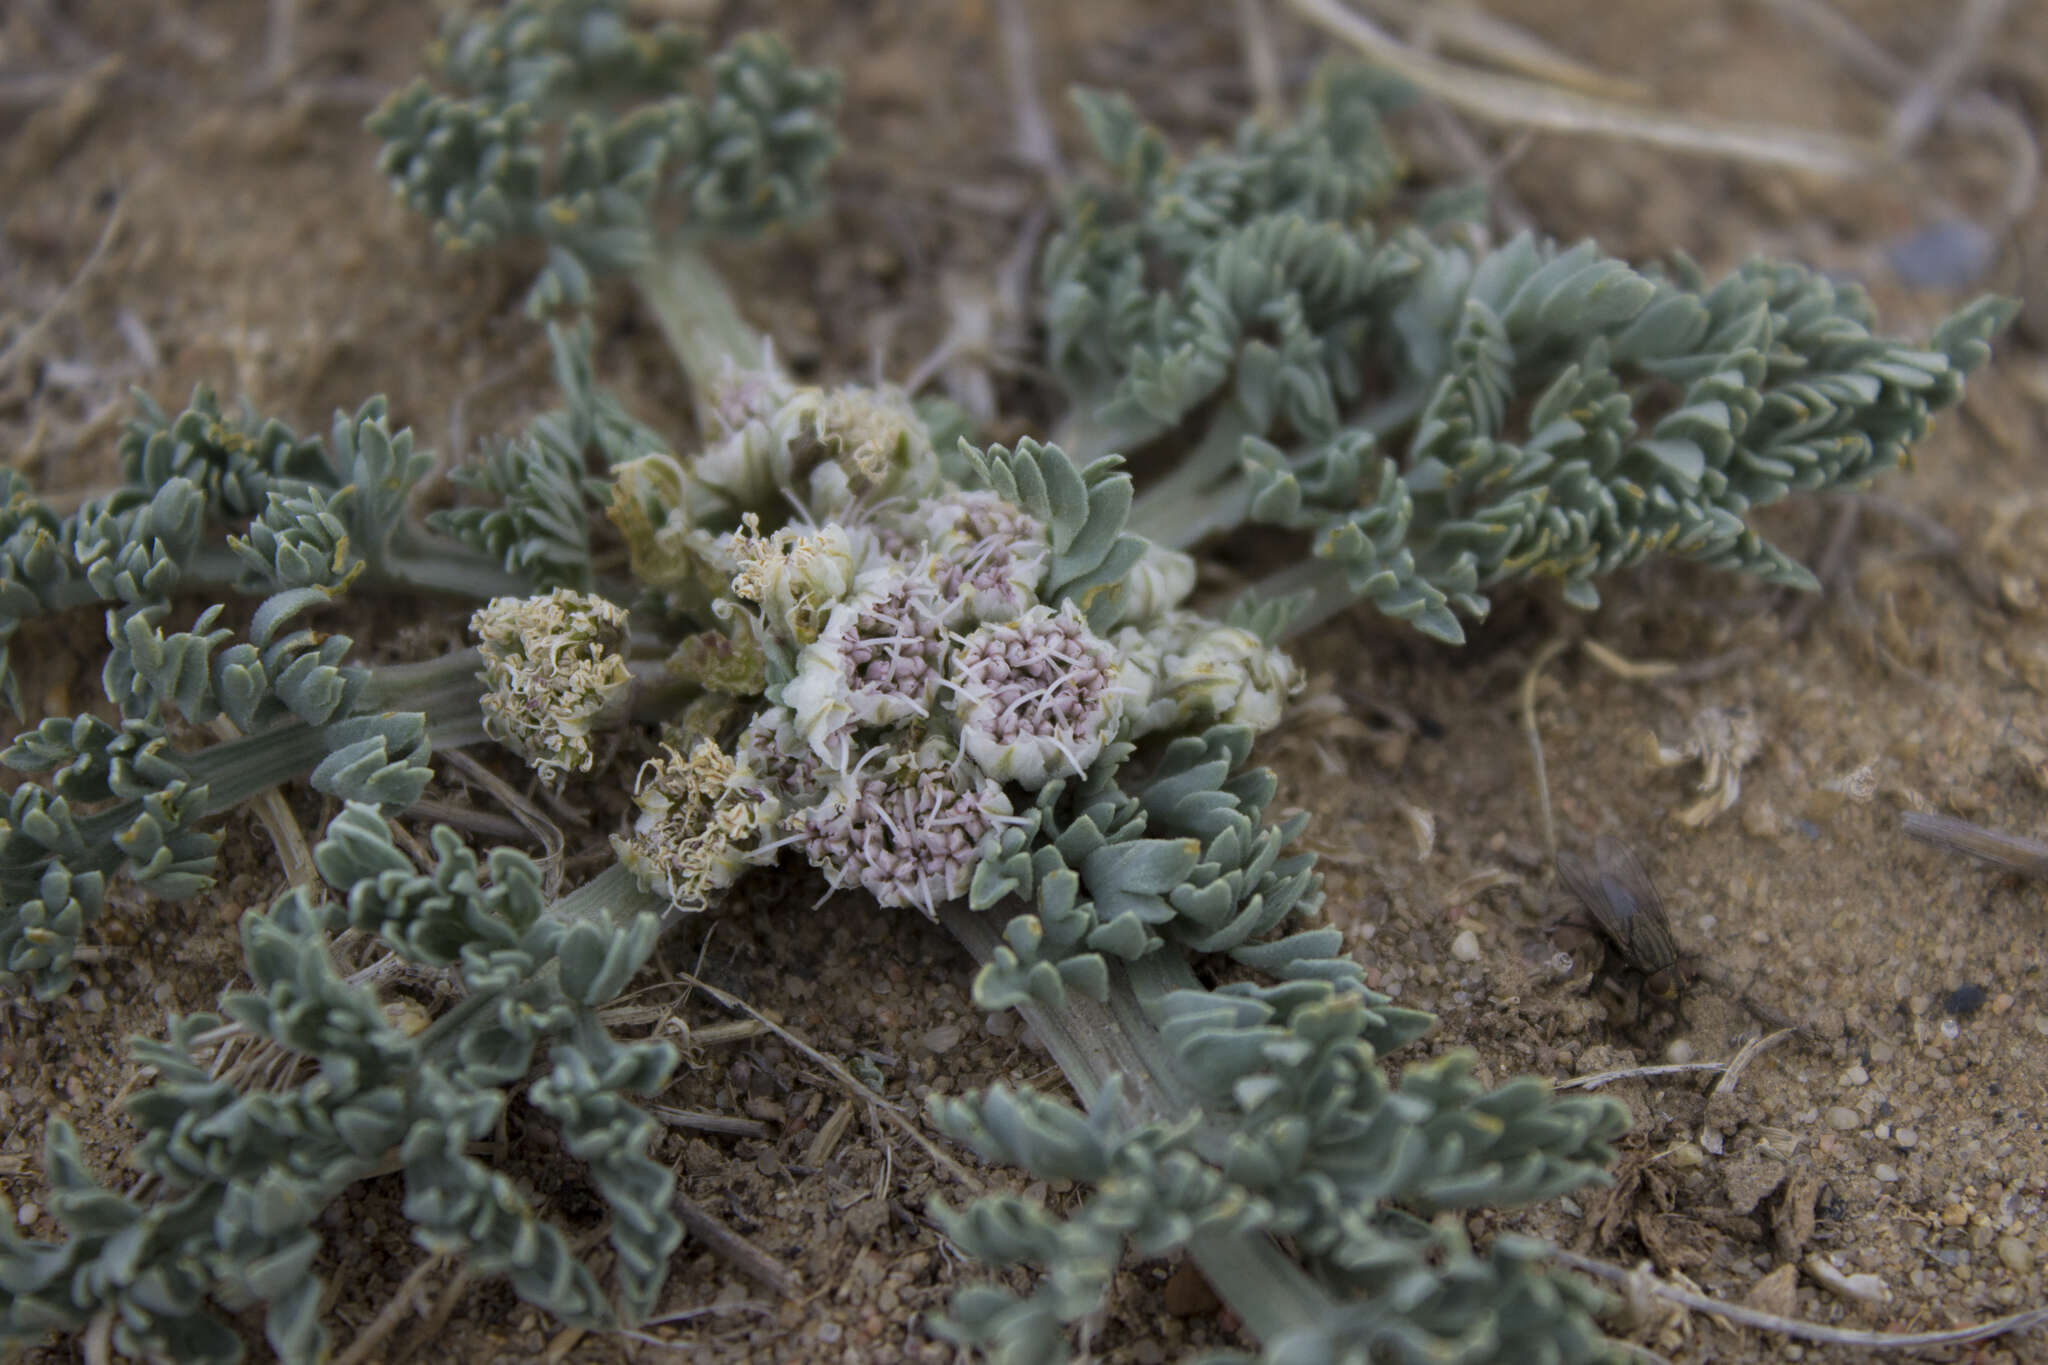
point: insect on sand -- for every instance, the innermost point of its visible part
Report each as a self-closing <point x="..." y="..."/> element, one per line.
<point x="1626" y="910"/>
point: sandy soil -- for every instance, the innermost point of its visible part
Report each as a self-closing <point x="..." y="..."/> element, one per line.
<point x="179" y="218"/>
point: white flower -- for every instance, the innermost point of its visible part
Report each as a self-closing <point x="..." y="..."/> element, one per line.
<point x="658" y="507"/>
<point x="701" y="818"/>
<point x="907" y="829"/>
<point x="987" y="557"/>
<point x="1037" y="697"/>
<point x="552" y="672"/>
<point x="742" y="394"/>
<point x="798" y="574"/>
<point x="877" y="661"/>
<point x="1160" y="581"/>
<point x="875" y="444"/>
<point x="1148" y="706"/>
<point x="1217" y="674"/>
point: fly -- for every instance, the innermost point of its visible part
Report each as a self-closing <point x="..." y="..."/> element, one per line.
<point x="1627" y="911"/>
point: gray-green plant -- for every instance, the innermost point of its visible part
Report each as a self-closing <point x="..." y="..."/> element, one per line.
<point x="967" y="683"/>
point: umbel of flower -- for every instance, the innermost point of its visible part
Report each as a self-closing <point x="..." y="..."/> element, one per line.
<point x="877" y="662"/>
<point x="552" y="673"/>
<point x="701" y="821"/>
<point x="874" y="447"/>
<point x="985" y="556"/>
<point x="1035" y="698"/>
<point x="903" y="825"/>
<point x="1215" y="674"/>
<point x="798" y="574"/>
<point x="1160" y="581"/>
<point x="829" y="451"/>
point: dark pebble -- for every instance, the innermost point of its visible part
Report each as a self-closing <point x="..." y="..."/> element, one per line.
<point x="1964" y="1001"/>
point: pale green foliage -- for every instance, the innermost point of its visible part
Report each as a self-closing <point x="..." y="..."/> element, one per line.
<point x="1084" y="509"/>
<point x="539" y="482"/>
<point x="250" y="1167"/>
<point x="959" y="681"/>
<point x="568" y="125"/>
<point x="1283" y="1122"/>
<point x="1437" y="417"/>
<point x="124" y="799"/>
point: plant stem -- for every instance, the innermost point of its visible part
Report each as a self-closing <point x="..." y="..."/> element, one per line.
<point x="703" y="325"/>
<point x="1200" y="496"/>
<point x="446" y="689"/>
<point x="1093" y="1042"/>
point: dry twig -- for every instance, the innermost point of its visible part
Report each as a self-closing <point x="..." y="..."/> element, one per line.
<point x="756" y="1264"/>
<point x="1973" y="112"/>
<point x="1795" y="1327"/>
<point x="25" y="340"/>
<point x="1535" y="736"/>
<point x="846" y="1080"/>
<point x="1472" y="31"/>
<point x="1526" y="103"/>
<point x="2013" y="852"/>
<point x="393" y="1312"/>
<point x="1261" y="60"/>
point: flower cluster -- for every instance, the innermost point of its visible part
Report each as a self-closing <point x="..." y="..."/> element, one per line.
<point x="907" y="833"/>
<point x="1198" y="672"/>
<point x="985" y="556"/>
<point x="1038" y="697"/>
<point x="834" y="451"/>
<point x="895" y="666"/>
<point x="701" y="816"/>
<point x="552" y="672"/>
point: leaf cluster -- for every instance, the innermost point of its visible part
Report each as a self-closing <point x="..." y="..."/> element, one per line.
<point x="329" y="1088"/>
<point x="1439" y="417"/>
<point x="561" y="121"/>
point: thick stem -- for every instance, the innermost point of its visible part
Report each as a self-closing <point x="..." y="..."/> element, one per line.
<point x="703" y="325"/>
<point x="1092" y="1042"/>
<point x="446" y="690"/>
<point x="421" y="561"/>
<point x="1088" y="436"/>
<point x="1204" y="493"/>
<point x="1320" y="579"/>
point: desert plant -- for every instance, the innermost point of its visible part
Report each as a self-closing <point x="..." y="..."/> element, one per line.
<point x="969" y="684"/>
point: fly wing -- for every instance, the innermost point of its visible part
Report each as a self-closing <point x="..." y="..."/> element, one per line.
<point x="1648" y="935"/>
<point x="1591" y="890"/>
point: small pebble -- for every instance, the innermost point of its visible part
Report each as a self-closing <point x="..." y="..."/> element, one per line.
<point x="1946" y="254"/>
<point x="1843" y="1119"/>
<point x="1885" y="1172"/>
<point x="1687" y="1155"/>
<point x="1776" y="1292"/>
<point x="27" y="1214"/>
<point x="2017" y="1255"/>
<point x="1863" y="1288"/>
<point x="1678" y="1051"/>
<point x="1856" y="1075"/>
<point x="1188" y="1294"/>
<point x="1907" y="1137"/>
<point x="1955" y="1215"/>
<point x="1951" y="1030"/>
<point x="1964" y="1001"/>
<point x="1465" y="947"/>
<point x="942" y="1039"/>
